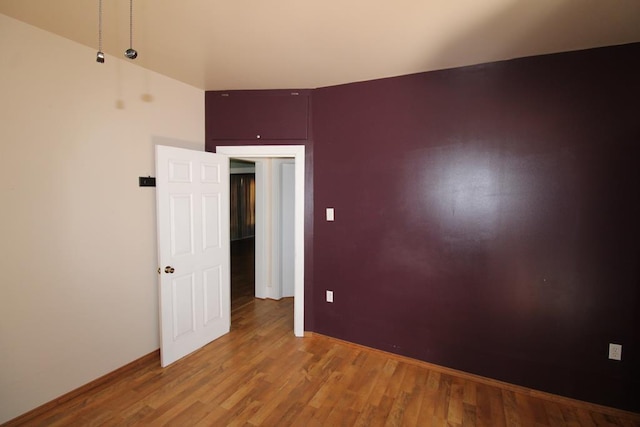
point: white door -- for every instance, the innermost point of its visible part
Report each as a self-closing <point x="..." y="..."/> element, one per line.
<point x="192" y="196"/>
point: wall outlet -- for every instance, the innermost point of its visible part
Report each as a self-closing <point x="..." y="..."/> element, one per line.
<point x="329" y="296"/>
<point x="331" y="216"/>
<point x="615" y="351"/>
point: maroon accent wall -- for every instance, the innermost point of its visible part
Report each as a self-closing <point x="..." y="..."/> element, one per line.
<point x="487" y="219"/>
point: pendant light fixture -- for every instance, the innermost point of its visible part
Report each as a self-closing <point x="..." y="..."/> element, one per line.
<point x="130" y="53"/>
<point x="100" y="54"/>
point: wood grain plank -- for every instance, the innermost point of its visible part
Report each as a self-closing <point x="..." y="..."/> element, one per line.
<point x="455" y="410"/>
<point x="510" y="406"/>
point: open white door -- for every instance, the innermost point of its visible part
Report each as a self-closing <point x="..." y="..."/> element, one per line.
<point x="192" y="196"/>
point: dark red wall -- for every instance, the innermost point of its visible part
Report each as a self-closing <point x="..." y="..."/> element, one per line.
<point x="487" y="219"/>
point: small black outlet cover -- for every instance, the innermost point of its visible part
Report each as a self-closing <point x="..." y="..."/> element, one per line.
<point x="147" y="181"/>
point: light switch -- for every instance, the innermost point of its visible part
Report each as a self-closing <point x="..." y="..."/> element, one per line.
<point x="330" y="214"/>
<point x="329" y="296"/>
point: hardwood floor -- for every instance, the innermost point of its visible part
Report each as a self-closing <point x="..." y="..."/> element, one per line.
<point x="242" y="271"/>
<point x="260" y="374"/>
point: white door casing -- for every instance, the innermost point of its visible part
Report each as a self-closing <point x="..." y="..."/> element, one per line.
<point x="297" y="152"/>
<point x="192" y="197"/>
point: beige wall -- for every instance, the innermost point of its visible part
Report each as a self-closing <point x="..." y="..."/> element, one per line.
<point x="78" y="291"/>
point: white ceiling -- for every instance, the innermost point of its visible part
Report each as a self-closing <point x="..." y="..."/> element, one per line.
<point x="269" y="44"/>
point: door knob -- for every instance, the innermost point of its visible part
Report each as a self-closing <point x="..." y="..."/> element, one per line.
<point x="169" y="269"/>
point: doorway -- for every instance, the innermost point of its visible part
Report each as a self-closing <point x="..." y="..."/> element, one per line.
<point x="297" y="154"/>
<point x="272" y="212"/>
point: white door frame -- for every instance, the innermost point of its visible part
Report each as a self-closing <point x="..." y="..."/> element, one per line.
<point x="297" y="152"/>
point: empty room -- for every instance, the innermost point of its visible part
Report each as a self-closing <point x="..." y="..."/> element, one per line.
<point x="440" y="213"/>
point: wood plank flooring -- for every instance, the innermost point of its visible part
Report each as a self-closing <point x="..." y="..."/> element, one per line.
<point x="260" y="374"/>
<point x="242" y="271"/>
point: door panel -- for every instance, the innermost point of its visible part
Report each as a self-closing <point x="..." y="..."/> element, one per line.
<point x="183" y="311"/>
<point x="181" y="221"/>
<point x="212" y="294"/>
<point x="193" y="244"/>
<point x="211" y="222"/>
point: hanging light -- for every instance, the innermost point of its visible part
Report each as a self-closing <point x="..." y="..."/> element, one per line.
<point x="100" y="54"/>
<point x="130" y="53"/>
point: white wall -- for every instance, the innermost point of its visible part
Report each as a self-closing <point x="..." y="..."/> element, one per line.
<point x="282" y="237"/>
<point x="287" y="220"/>
<point x="78" y="290"/>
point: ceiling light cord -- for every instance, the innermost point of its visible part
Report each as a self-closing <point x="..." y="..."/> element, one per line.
<point x="130" y="23"/>
<point x="100" y="55"/>
<point x="131" y="53"/>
